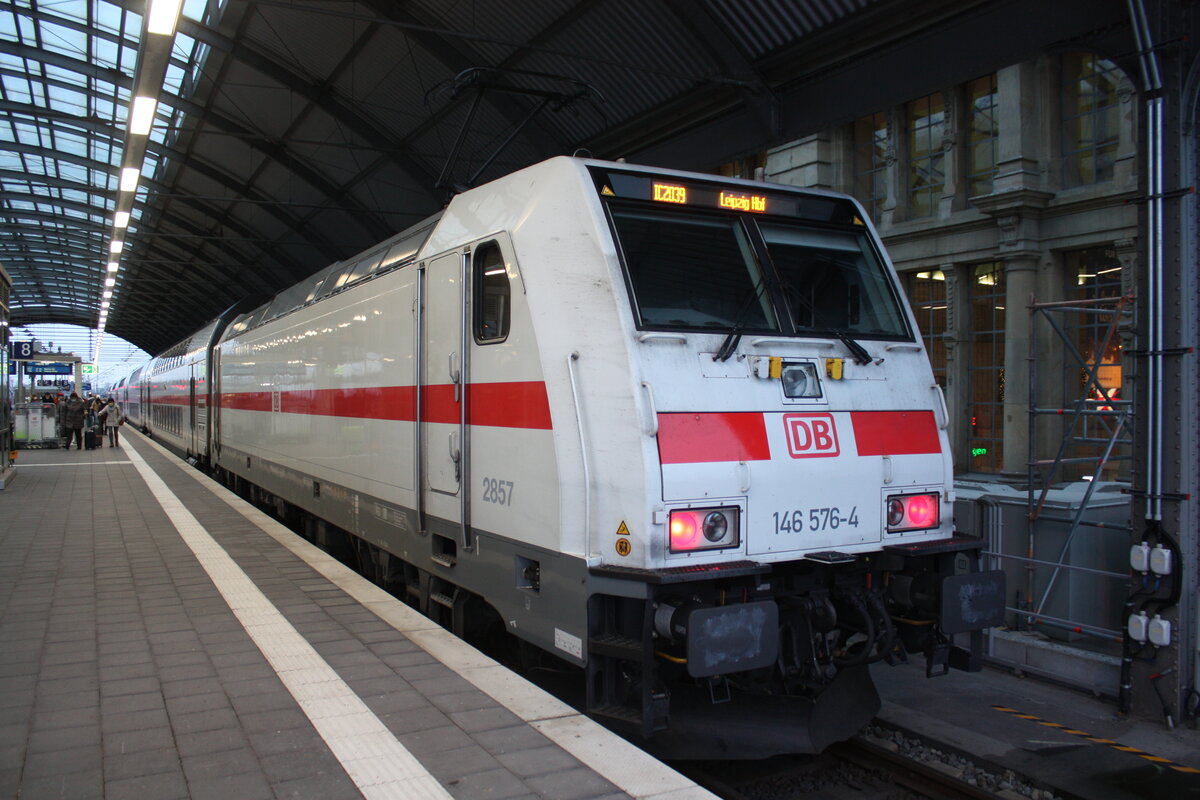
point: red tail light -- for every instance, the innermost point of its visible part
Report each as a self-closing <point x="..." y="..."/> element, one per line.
<point x="913" y="512"/>
<point x="703" y="529"/>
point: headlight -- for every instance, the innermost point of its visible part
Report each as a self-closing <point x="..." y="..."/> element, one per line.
<point x="703" y="529"/>
<point x="913" y="512"/>
<point x="716" y="525"/>
<point x="800" y="380"/>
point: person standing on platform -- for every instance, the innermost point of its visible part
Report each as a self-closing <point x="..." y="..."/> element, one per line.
<point x="113" y="416"/>
<point x="76" y="410"/>
<point x="60" y="420"/>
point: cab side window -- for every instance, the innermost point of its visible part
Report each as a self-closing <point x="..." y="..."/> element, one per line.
<point x="492" y="294"/>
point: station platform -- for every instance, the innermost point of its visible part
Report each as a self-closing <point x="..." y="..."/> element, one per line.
<point x="1063" y="740"/>
<point x="160" y="638"/>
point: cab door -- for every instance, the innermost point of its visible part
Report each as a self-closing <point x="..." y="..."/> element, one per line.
<point x="442" y="395"/>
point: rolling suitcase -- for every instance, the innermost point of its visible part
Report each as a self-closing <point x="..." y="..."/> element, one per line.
<point x="91" y="439"/>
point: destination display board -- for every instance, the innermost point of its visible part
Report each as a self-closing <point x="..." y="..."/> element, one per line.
<point x="728" y="197"/>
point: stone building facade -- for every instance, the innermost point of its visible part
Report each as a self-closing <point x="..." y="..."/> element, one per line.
<point x="1016" y="185"/>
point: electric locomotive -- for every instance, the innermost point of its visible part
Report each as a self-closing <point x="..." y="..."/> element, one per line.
<point x="677" y="430"/>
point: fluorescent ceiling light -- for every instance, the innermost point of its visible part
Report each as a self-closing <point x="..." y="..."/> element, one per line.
<point x="113" y="266"/>
<point x="104" y="305"/>
<point x="115" y="246"/>
<point x="129" y="179"/>
<point x="107" y="294"/>
<point x="162" y="16"/>
<point x="141" y="115"/>
<point x="110" y="282"/>
<point x="121" y="219"/>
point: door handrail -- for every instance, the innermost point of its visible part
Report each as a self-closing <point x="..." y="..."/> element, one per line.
<point x="583" y="454"/>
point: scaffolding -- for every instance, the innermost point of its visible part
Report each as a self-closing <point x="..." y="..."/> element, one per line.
<point x="1094" y="577"/>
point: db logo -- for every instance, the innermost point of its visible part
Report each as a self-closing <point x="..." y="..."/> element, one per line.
<point x="811" y="435"/>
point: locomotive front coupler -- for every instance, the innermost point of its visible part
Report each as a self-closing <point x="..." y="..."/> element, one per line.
<point x="935" y="591"/>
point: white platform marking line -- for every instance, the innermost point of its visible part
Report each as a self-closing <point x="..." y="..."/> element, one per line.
<point x="378" y="764"/>
<point x="72" y="464"/>
<point x="626" y="766"/>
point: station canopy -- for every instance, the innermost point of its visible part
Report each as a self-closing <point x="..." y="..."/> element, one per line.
<point x="156" y="172"/>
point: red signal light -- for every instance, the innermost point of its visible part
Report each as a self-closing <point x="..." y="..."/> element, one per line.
<point x="922" y="511"/>
<point x="704" y="529"/>
<point x="685" y="530"/>
<point x="913" y="512"/>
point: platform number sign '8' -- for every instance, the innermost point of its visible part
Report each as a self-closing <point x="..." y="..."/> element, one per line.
<point x="20" y="350"/>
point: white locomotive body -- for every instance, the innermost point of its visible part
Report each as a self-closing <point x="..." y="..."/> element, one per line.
<point x="675" y="429"/>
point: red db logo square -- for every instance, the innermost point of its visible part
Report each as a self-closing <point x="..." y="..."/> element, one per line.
<point x="811" y="435"/>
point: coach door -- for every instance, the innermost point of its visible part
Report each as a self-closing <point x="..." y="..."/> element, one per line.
<point x="193" y="422"/>
<point x="442" y="399"/>
<point x="212" y="436"/>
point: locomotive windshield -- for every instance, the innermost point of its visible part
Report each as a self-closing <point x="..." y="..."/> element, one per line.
<point x="832" y="281"/>
<point x="693" y="271"/>
<point x="704" y="257"/>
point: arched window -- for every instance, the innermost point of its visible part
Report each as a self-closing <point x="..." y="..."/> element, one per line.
<point x="1090" y="118"/>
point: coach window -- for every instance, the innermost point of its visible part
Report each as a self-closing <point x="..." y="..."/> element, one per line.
<point x="492" y="294"/>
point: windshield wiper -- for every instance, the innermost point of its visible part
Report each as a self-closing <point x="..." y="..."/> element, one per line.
<point x="861" y="356"/>
<point x="735" y="332"/>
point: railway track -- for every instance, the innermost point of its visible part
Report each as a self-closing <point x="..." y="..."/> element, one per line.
<point x="933" y="779"/>
<point x="859" y="768"/>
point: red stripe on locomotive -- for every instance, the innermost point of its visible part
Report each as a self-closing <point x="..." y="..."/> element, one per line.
<point x="895" y="433"/>
<point x="500" y="405"/>
<point x="703" y="438"/>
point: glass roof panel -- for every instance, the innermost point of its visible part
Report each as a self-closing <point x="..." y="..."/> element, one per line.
<point x="16" y="89"/>
<point x="173" y="80"/>
<point x="74" y="102"/>
<point x="104" y="53"/>
<point x="107" y="17"/>
<point x="61" y="39"/>
<point x="28" y="31"/>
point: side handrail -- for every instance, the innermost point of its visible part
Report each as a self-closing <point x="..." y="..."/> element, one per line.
<point x="664" y="337"/>
<point x="652" y="428"/>
<point x="941" y="396"/>
<point x="583" y="455"/>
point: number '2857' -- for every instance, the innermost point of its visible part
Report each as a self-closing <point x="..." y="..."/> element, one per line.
<point x="497" y="491"/>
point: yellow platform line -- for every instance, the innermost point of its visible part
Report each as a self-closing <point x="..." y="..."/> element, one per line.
<point x="1099" y="740"/>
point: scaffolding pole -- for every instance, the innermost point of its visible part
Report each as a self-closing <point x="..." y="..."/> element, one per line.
<point x="1095" y="403"/>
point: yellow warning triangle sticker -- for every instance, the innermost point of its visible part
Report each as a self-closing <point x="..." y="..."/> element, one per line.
<point x="622" y="529"/>
<point x="610" y="193"/>
<point x="858" y="221"/>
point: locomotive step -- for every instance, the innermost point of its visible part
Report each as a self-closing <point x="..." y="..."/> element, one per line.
<point x="615" y="645"/>
<point x="443" y="600"/>
<point x="623" y="713"/>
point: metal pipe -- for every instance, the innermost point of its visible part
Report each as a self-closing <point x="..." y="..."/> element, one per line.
<point x="1152" y="86"/>
<point x="1069" y="305"/>
<point x="1066" y="624"/>
<point x="419" y="378"/>
<point x="1122" y="575"/>
<point x="466" y="534"/>
<point x="1089" y="523"/>
<point x="1062" y="412"/>
<point x="583" y="456"/>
